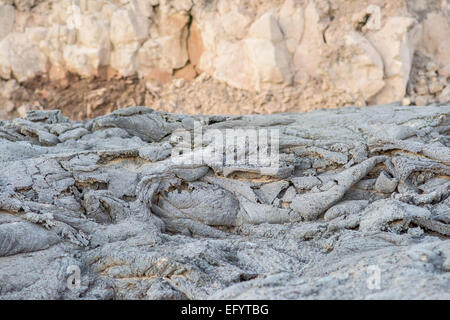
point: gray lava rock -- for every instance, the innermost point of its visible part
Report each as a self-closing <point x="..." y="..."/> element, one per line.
<point x="104" y="200"/>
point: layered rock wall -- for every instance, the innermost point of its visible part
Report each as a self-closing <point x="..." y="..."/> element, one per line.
<point x="357" y="52"/>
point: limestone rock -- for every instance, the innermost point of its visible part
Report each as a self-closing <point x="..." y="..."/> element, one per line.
<point x="233" y="65"/>
<point x="234" y="19"/>
<point x="127" y="32"/>
<point x="82" y="60"/>
<point x="165" y="53"/>
<point x="308" y="54"/>
<point x="360" y="69"/>
<point x="266" y="28"/>
<point x="7" y="19"/>
<point x="20" y="58"/>
<point x="292" y="23"/>
<point x="435" y="42"/>
<point x="270" y="61"/>
<point x="396" y="42"/>
<point x="167" y="49"/>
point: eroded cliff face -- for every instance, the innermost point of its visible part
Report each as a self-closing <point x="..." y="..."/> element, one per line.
<point x="328" y="53"/>
<point x="356" y="206"/>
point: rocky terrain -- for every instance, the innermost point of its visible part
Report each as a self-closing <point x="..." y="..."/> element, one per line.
<point x="357" y="206"/>
<point x="90" y="57"/>
<point x="103" y="198"/>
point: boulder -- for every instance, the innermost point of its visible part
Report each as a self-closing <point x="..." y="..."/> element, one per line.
<point x="233" y="65"/>
<point x="266" y="28"/>
<point x="359" y="70"/>
<point x="271" y="62"/>
<point x="166" y="53"/>
<point x="126" y="33"/>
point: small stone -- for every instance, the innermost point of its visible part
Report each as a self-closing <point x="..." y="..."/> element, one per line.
<point x="415" y="232"/>
<point x="431" y="66"/>
<point x="385" y="184"/>
<point x="305" y="183"/>
<point x="445" y="71"/>
<point x="271" y="190"/>
<point x="406" y="101"/>
<point x="446" y="264"/>
<point x="421" y="101"/>
<point x="286" y="99"/>
<point x="444" y="95"/>
<point x="422" y="90"/>
<point x="73" y="134"/>
<point x="422" y="81"/>
<point x="179" y="83"/>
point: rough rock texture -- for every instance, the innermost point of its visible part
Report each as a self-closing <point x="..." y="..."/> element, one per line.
<point x="356" y="190"/>
<point x="332" y="53"/>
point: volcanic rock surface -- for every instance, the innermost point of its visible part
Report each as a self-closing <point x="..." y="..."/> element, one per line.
<point x="357" y="207"/>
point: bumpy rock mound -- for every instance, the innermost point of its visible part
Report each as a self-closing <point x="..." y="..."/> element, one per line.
<point x="357" y="207"/>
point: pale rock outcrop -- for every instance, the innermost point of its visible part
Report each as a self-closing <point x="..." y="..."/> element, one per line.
<point x="195" y="45"/>
<point x="143" y="8"/>
<point x="234" y="66"/>
<point x="57" y="39"/>
<point x="166" y="50"/>
<point x="266" y="28"/>
<point x="206" y="25"/>
<point x="20" y="58"/>
<point x="224" y="53"/>
<point x="359" y="69"/>
<point x="308" y="54"/>
<point x="7" y="17"/>
<point x="396" y="42"/>
<point x="92" y="49"/>
<point x="267" y="52"/>
<point x="262" y="55"/>
<point x="435" y="41"/>
<point x="127" y="32"/>
<point x="5" y="65"/>
<point x="292" y="23"/>
<point x="81" y="60"/>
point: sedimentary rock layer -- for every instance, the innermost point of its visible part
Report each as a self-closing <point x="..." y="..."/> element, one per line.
<point x="336" y="53"/>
